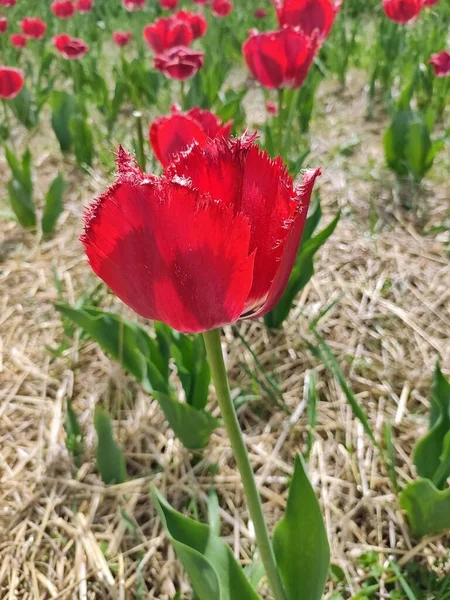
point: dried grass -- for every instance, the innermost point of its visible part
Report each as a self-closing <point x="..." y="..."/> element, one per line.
<point x="61" y="531"/>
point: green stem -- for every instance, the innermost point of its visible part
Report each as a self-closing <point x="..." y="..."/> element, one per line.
<point x="141" y="158"/>
<point x="229" y="416"/>
<point x="280" y="120"/>
<point x="8" y="123"/>
<point x="183" y="95"/>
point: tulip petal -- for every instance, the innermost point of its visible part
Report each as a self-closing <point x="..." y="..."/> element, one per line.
<point x="173" y="134"/>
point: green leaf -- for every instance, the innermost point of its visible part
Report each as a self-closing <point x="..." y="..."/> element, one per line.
<point x="209" y="562"/>
<point x="63" y="109"/>
<point x="427" y="508"/>
<point x="193" y="368"/>
<point x="74" y="434"/>
<point x="21" y="203"/>
<point x="21" y="168"/>
<point x="110" y="458"/>
<point x="300" y="541"/>
<point x="301" y="273"/>
<point x="432" y="452"/>
<point x="53" y="204"/>
<point x="142" y="356"/>
<point x="323" y="352"/>
<point x="83" y="140"/>
<point x="24" y="109"/>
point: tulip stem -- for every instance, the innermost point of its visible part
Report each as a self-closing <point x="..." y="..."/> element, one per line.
<point x="229" y="416"/>
<point x="280" y="121"/>
<point x="141" y="158"/>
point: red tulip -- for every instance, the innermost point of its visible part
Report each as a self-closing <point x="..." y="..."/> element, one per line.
<point x="260" y="13"/>
<point x="430" y="2"/>
<point x="70" y="48"/>
<point x="441" y="63"/>
<point x="221" y="8"/>
<point x="63" y="9"/>
<point x="170" y="135"/>
<point x="3" y="24"/>
<point x="271" y="108"/>
<point x="196" y="22"/>
<point x="133" y="5"/>
<point x="279" y="59"/>
<point x="18" y="40"/>
<point x="33" y="27"/>
<point x="402" y="11"/>
<point x="11" y="82"/>
<point x="179" y="62"/>
<point x="310" y="15"/>
<point x="121" y="38"/>
<point x="84" y="6"/>
<point x="168" y="32"/>
<point x="169" y="4"/>
<point x="200" y="1"/>
<point x="8" y="3"/>
<point x="211" y="241"/>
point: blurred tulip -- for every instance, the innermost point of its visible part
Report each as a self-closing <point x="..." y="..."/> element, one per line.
<point x="63" y="9"/>
<point x="133" y="5"/>
<point x="271" y="108"/>
<point x="18" y="40"/>
<point x="8" y="3"/>
<point x="196" y="22"/>
<point x="11" y="82"/>
<point x="172" y="134"/>
<point x="33" y="27"/>
<point x="260" y="13"/>
<point x="280" y="59"/>
<point x="211" y="241"/>
<point x="70" y="48"/>
<point x="168" y="4"/>
<point x="179" y="63"/>
<point x="441" y="63"/>
<point x="310" y="15"/>
<point x="84" y="6"/>
<point x="221" y="8"/>
<point x="3" y="24"/>
<point x="122" y="38"/>
<point x="430" y="2"/>
<point x="168" y="32"/>
<point x="402" y="11"/>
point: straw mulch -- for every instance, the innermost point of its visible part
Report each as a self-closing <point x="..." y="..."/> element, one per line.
<point x="63" y="533"/>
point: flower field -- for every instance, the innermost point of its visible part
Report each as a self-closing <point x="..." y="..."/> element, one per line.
<point x="224" y="299"/>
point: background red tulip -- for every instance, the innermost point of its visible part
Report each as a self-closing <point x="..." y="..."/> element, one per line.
<point x="3" y="24"/>
<point x="196" y="22"/>
<point x="121" y="38"/>
<point x="11" y="82"/>
<point x="33" y="27"/>
<point x="168" y="4"/>
<point x="221" y="8"/>
<point x="260" y="13"/>
<point x="430" y="2"/>
<point x="179" y="63"/>
<point x="441" y="64"/>
<point x="310" y="15"/>
<point x="271" y="108"/>
<point x="168" y="32"/>
<point x="133" y="5"/>
<point x="211" y="241"/>
<point x="170" y="135"/>
<point x="8" y="3"/>
<point x="70" y="48"/>
<point x="63" y="9"/>
<point x="402" y="11"/>
<point x="281" y="58"/>
<point x="84" y="6"/>
<point x="18" y="40"/>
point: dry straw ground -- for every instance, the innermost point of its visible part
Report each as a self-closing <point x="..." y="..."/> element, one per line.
<point x="61" y="531"/>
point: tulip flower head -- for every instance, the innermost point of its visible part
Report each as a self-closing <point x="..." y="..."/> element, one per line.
<point x="441" y="64"/>
<point x="8" y="3"/>
<point x="133" y="5"/>
<point x="33" y="27"/>
<point x="211" y="241"/>
<point x="430" y="2"/>
<point x="280" y="59"/>
<point x="168" y="32"/>
<point x="63" y="9"/>
<point x="168" y="4"/>
<point x="84" y="6"/>
<point x="18" y="40"/>
<point x="271" y="108"/>
<point x="3" y="24"/>
<point x="11" y="82"/>
<point x="312" y="16"/>
<point x="260" y="13"/>
<point x="70" y="48"/>
<point x="121" y="38"/>
<point x="196" y="22"/>
<point x="221" y="8"/>
<point x="175" y="133"/>
<point x="402" y="11"/>
<point x="179" y="63"/>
